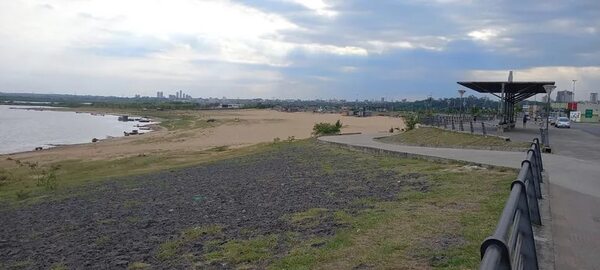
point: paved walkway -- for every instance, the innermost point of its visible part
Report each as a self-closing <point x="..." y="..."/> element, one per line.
<point x="574" y="194"/>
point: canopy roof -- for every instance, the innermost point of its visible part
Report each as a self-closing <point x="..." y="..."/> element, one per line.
<point x="517" y="91"/>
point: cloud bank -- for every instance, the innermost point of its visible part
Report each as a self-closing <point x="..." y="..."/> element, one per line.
<point x="293" y="48"/>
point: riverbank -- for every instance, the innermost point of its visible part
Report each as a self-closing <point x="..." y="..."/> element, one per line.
<point x="185" y="138"/>
<point x="201" y="130"/>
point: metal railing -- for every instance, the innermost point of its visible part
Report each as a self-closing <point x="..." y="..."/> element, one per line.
<point x="453" y="122"/>
<point x="512" y="245"/>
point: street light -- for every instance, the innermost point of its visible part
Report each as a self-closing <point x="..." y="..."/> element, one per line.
<point x="548" y="88"/>
<point x="461" y="92"/>
<point x="574" y="81"/>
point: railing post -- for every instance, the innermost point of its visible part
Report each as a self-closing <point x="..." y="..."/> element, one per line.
<point x="445" y="122"/>
<point x="483" y="128"/>
<point x="453" y="127"/>
<point x="494" y="255"/>
<point x="535" y="177"/>
<point x="471" y="124"/>
<point x="527" y="249"/>
<point x="460" y="125"/>
<point x="538" y="171"/>
<point x="533" y="194"/>
<point x="539" y="150"/>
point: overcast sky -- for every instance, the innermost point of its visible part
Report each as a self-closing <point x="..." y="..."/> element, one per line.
<point x="294" y="48"/>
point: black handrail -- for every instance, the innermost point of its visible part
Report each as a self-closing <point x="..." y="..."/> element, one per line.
<point x="512" y="245"/>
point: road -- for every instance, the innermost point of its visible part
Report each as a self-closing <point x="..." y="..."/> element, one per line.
<point x="574" y="187"/>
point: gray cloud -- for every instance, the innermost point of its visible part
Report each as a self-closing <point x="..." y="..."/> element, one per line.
<point x="290" y="48"/>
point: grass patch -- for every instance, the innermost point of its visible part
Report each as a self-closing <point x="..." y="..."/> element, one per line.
<point x="21" y="185"/>
<point x="434" y="137"/>
<point x="245" y="253"/>
<point x="139" y="266"/>
<point x="441" y="228"/>
<point x="312" y="213"/>
<point x="169" y="250"/>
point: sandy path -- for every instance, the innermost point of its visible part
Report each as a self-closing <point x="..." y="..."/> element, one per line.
<point x="244" y="127"/>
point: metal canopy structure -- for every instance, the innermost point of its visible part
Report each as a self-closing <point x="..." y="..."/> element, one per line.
<point x="510" y="93"/>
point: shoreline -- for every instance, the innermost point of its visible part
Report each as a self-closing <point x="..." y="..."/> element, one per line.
<point x="153" y="126"/>
<point x="189" y="131"/>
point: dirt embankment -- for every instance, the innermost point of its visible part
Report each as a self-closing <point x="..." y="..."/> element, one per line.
<point x="118" y="223"/>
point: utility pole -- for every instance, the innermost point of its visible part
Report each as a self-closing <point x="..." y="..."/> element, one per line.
<point x="574" y="81"/>
<point x="461" y="92"/>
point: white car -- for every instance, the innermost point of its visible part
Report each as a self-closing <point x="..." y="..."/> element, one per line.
<point x="563" y="122"/>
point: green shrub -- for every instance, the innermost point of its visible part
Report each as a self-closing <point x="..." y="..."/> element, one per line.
<point x="411" y="120"/>
<point x="327" y="128"/>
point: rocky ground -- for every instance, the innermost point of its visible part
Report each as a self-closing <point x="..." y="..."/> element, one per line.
<point x="123" y="223"/>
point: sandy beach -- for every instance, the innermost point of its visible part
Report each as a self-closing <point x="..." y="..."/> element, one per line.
<point x="239" y="128"/>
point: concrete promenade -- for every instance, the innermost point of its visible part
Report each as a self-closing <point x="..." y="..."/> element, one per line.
<point x="574" y="193"/>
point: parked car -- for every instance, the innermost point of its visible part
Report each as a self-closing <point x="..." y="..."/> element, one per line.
<point x="563" y="122"/>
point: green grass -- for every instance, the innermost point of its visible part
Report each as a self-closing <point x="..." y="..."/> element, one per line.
<point x="139" y="266"/>
<point x="440" y="227"/>
<point x="170" y="250"/>
<point x="18" y="184"/>
<point x="434" y="137"/>
<point x="245" y="253"/>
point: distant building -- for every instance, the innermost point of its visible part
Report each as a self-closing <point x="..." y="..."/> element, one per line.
<point x="594" y="97"/>
<point x="137" y="96"/>
<point x="231" y="106"/>
<point x="565" y="96"/>
<point x="382" y="99"/>
<point x="160" y="94"/>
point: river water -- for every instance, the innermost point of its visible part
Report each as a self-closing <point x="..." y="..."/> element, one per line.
<point x="24" y="130"/>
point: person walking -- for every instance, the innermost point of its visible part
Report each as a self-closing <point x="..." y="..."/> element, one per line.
<point x="524" y="121"/>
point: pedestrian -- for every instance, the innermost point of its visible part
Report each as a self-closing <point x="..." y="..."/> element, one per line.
<point x="524" y="121"/>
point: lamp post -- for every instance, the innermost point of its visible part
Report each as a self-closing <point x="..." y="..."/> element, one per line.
<point x="461" y="92"/>
<point x="574" y="81"/>
<point x="548" y="88"/>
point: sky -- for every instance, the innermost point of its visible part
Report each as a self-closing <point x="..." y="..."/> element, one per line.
<point x="345" y="49"/>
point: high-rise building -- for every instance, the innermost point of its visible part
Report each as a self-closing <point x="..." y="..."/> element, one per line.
<point x="564" y="96"/>
<point x="594" y="97"/>
<point x="160" y="94"/>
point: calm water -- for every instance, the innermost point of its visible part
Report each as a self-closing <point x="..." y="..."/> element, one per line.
<point x="24" y="130"/>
